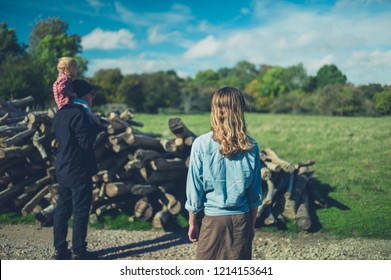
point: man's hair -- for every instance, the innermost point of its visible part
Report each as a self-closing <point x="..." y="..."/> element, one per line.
<point x="81" y="88"/>
<point x="228" y="123"/>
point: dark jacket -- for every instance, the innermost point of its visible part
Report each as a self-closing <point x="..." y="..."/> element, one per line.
<point x="75" y="134"/>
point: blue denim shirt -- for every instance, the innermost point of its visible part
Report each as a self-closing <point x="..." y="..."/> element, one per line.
<point x="222" y="186"/>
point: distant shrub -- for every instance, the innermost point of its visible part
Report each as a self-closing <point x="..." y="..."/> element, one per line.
<point x="383" y="102"/>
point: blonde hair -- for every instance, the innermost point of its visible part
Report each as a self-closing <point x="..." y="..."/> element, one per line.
<point x="228" y="123"/>
<point x="64" y="65"/>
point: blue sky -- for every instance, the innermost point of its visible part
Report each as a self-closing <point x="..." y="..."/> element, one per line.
<point x="187" y="36"/>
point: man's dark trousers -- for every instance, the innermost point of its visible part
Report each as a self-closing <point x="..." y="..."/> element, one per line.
<point x="77" y="200"/>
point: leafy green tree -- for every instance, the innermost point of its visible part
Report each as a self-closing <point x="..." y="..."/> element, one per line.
<point x="48" y="42"/>
<point x="8" y="42"/>
<point x="340" y="100"/>
<point x="193" y="98"/>
<point x="371" y="89"/>
<point x="330" y="75"/>
<point x="107" y="81"/>
<point x="207" y="78"/>
<point x="130" y="91"/>
<point x="383" y="102"/>
<point x="19" y="78"/>
<point x="294" y="77"/>
<point x="18" y="73"/>
<point x="161" y="90"/>
<point x="272" y="83"/>
<point x="238" y="76"/>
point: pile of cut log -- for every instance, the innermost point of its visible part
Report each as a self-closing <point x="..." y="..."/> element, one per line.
<point x="288" y="191"/>
<point x="139" y="172"/>
<point x="137" y="169"/>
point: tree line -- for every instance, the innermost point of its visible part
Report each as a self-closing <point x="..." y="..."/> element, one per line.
<point x="31" y="70"/>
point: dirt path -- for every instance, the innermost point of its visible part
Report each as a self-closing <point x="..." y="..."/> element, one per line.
<point x="28" y="242"/>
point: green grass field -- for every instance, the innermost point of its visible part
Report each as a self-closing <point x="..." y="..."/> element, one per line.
<point x="353" y="162"/>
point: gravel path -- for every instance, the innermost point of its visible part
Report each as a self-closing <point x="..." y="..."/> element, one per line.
<point x="27" y="242"/>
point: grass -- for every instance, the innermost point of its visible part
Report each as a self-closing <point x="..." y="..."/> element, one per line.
<point x="353" y="167"/>
<point x="353" y="163"/>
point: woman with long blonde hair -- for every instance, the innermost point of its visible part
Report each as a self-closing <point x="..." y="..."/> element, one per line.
<point x="224" y="182"/>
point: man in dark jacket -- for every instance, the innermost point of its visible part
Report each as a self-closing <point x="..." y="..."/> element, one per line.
<point x="75" y="129"/>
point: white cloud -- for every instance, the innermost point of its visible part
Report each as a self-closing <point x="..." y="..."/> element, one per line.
<point x="304" y="36"/>
<point x="370" y="59"/>
<point x="204" y="48"/>
<point x="280" y="34"/>
<point x="96" y="4"/>
<point x="178" y="14"/>
<point x="154" y="37"/>
<point x="108" y="40"/>
<point x="132" y="64"/>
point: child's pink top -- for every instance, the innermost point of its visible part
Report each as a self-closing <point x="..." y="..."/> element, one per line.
<point x="63" y="90"/>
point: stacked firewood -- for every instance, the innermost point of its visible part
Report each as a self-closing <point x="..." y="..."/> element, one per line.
<point x="137" y="169"/>
<point x="139" y="172"/>
<point x="288" y="191"/>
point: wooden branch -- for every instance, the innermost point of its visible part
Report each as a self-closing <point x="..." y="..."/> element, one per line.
<point x="38" y="117"/>
<point x="6" y="131"/>
<point x="21" y="102"/>
<point x="18" y="138"/>
<point x="38" y="184"/>
<point x="12" y="152"/>
<point x="34" y="201"/>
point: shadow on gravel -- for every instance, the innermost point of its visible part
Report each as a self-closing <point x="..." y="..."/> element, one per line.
<point x="139" y="248"/>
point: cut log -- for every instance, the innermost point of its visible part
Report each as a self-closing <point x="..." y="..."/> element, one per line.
<point x="143" y="209"/>
<point x="270" y="192"/>
<point x="273" y="166"/>
<point x="21" y="102"/>
<point x="179" y="129"/>
<point x="161" y="218"/>
<point x="38" y="184"/>
<point x="13" y="152"/>
<point x="118" y="188"/>
<point x="38" y="117"/>
<point x="266" y="174"/>
<point x="46" y="216"/>
<point x="104" y="208"/>
<point x="18" y="138"/>
<point x="7" y="131"/>
<point x="169" y="201"/>
<point x="303" y="219"/>
<point x="162" y="164"/>
<point x="144" y="156"/>
<point x="159" y="177"/>
<point x="14" y="190"/>
<point x="34" y="201"/>
<point x="139" y="189"/>
<point x="52" y="112"/>
<point x="287" y="166"/>
<point x="11" y="163"/>
<point x="145" y="142"/>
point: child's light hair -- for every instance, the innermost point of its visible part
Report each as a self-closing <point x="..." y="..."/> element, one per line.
<point x="228" y="123"/>
<point x="64" y="65"/>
